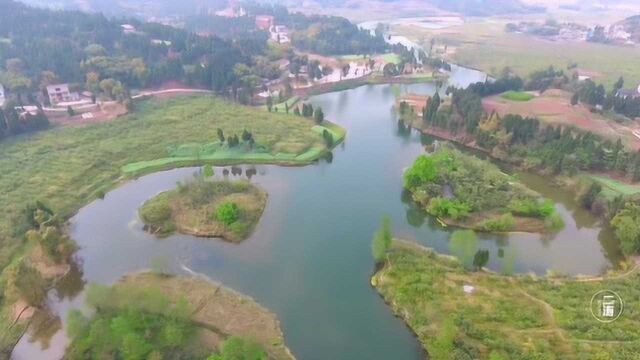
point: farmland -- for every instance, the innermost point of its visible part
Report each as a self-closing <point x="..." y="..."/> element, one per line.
<point x="554" y="107"/>
<point x="484" y="45"/>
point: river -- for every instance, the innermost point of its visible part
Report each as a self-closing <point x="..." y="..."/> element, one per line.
<point x="309" y="259"/>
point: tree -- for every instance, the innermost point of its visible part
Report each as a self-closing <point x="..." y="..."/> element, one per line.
<point x="70" y="111"/>
<point x="626" y="225"/>
<point x="246" y="136"/>
<point x="464" y="244"/>
<point x="575" y="99"/>
<point x="207" y="172"/>
<point x="619" y="84"/>
<point x="480" y="259"/>
<point x="382" y="240"/>
<point x="27" y="283"/>
<point x="228" y="213"/>
<point x="269" y="103"/>
<point x="318" y="115"/>
<point x="220" y="136"/>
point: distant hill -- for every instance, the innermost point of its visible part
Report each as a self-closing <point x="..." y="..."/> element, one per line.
<point x="486" y="7"/>
<point x="465" y="7"/>
<point x="632" y="26"/>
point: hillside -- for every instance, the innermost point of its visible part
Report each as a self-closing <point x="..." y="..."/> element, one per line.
<point x="632" y="26"/>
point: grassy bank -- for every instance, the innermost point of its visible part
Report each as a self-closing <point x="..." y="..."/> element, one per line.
<point x="67" y="168"/>
<point x="520" y="317"/>
<point x="180" y="318"/>
<point x="229" y="210"/>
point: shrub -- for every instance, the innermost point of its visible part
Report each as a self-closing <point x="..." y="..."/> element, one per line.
<point x="454" y="209"/>
<point x="156" y="212"/>
<point x="503" y="223"/>
<point x="228" y="213"/>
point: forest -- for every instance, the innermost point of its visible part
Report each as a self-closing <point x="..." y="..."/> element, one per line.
<point x="318" y="34"/>
<point x="40" y="47"/>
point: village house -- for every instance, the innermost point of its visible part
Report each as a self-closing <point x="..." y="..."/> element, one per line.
<point x="280" y="34"/>
<point x="128" y="28"/>
<point x="60" y="93"/>
<point x="416" y="102"/>
<point x="629" y="93"/>
<point x="2" y="95"/>
<point x="264" y="22"/>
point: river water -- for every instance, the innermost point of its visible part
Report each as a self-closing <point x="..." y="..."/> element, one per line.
<point x="309" y="259"/>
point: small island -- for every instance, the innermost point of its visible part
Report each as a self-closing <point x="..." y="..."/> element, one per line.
<point x="158" y="316"/>
<point x="464" y="191"/>
<point x="206" y="208"/>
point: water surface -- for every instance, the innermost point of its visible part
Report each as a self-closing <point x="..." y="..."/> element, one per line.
<point x="309" y="259"/>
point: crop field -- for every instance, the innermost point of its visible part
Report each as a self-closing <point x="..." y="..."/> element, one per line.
<point x="485" y="45"/>
<point x="554" y="107"/>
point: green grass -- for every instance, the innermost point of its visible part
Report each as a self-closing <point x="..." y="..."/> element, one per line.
<point x="68" y="167"/>
<point x="616" y="186"/>
<point x="517" y="96"/>
<point x="519" y="317"/>
<point x="282" y="108"/>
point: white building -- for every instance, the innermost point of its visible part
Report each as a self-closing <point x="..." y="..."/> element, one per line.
<point x="60" y="93"/>
<point x="128" y="28"/>
<point x="2" y="95"/>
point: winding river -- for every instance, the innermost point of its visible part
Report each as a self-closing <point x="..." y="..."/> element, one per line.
<point x="309" y="259"/>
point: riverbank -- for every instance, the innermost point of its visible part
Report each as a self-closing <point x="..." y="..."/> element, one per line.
<point x="202" y="208"/>
<point x="69" y="167"/>
<point x="180" y="316"/>
<point x="485" y="315"/>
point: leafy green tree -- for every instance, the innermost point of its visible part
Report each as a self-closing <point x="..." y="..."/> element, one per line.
<point x="207" y="172"/>
<point x="318" y="115"/>
<point x="228" y="213"/>
<point x="464" y="245"/>
<point x="481" y="259"/>
<point x="575" y="99"/>
<point x="626" y="225"/>
<point x="442" y="346"/>
<point x="269" y="103"/>
<point x="220" y="135"/>
<point x="382" y="240"/>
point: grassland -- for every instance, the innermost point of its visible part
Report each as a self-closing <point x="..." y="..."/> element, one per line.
<point x="484" y="45"/>
<point x="519" y="317"/>
<point x="617" y="187"/>
<point x="517" y="96"/>
<point x="191" y="209"/>
<point x="67" y="168"/>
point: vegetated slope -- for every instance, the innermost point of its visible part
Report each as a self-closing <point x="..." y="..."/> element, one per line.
<point x="632" y="26"/>
<point x="502" y="317"/>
